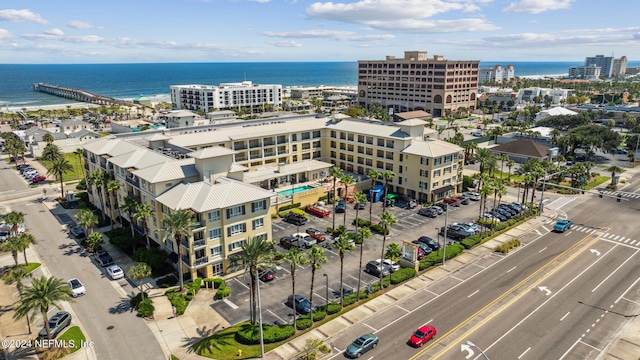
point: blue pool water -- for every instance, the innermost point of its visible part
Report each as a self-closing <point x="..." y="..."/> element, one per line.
<point x="294" y="190"/>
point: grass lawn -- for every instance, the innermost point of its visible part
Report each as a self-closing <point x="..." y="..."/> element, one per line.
<point x="223" y="346"/>
<point x="597" y="181"/>
<point x="73" y="333"/>
<point x="32" y="266"/>
<point x="76" y="174"/>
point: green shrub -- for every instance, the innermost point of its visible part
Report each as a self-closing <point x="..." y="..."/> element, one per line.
<point x="250" y="334"/>
<point x="351" y="298"/>
<point x="180" y="303"/>
<point x="154" y="257"/>
<point x="290" y="206"/>
<point x="136" y="300"/>
<point x="274" y="216"/>
<point x="167" y="281"/>
<point x="379" y="229"/>
<point x="217" y="282"/>
<point x="333" y="308"/>
<point x="146" y="308"/>
<point x="506" y="247"/>
<point x="361" y="222"/>
<point x="195" y="285"/>
<point x="435" y="257"/>
<point x="121" y="238"/>
<point x="471" y="241"/>
<point x="223" y="292"/>
<point x="319" y="315"/>
<point x="303" y="323"/>
<point x="189" y="296"/>
<point x="300" y="212"/>
<point x="402" y="275"/>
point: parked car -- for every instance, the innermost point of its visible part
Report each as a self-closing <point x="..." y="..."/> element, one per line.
<point x="361" y="345"/>
<point x="621" y="151"/>
<point x="498" y="215"/>
<point x="438" y="209"/>
<point x="441" y="205"/>
<point x="103" y="258"/>
<point x="422" y="335"/>
<point x="266" y="275"/>
<point x="489" y="216"/>
<point x="472" y="195"/>
<point x="425" y="248"/>
<point x="316" y="234"/>
<point x="359" y="206"/>
<point x="304" y="240"/>
<point x="115" y="272"/>
<point x="422" y="253"/>
<point x="287" y="242"/>
<point x="301" y="305"/>
<point x="38" y="179"/>
<point x="318" y="210"/>
<point x="521" y="206"/>
<point x="4" y="236"/>
<point x="452" y="201"/>
<point x="77" y="288"/>
<point x="392" y="265"/>
<point x="295" y="219"/>
<point x="562" y="225"/>
<point x="376" y="268"/>
<point x="456" y="232"/>
<point x="507" y="214"/>
<point x="464" y="200"/>
<point x="77" y="232"/>
<point x="428" y="212"/>
<point x="508" y="209"/>
<point x="430" y="242"/>
<point x="57" y="323"/>
<point x="341" y="206"/>
<point x="477" y="134"/>
<point x="469" y="226"/>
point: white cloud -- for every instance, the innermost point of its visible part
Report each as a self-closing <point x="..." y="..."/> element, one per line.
<point x="435" y="26"/>
<point x="287" y="43"/>
<point x="77" y="24"/>
<point x="327" y="34"/>
<point x="5" y="34"/>
<point x="366" y="11"/>
<point x="54" y="32"/>
<point x="261" y="1"/>
<point x="24" y="15"/>
<point x="537" y="6"/>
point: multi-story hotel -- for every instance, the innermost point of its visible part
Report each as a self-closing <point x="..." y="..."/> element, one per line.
<point x="225" y="96"/>
<point x="619" y="66"/>
<point x="415" y="82"/>
<point x="496" y="74"/>
<point x="604" y="62"/>
<point x="233" y="176"/>
<point x="584" y="72"/>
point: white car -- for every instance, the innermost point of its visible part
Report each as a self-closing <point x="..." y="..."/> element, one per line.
<point x="76" y="287"/>
<point x="115" y="272"/>
<point x="305" y="240"/>
<point x="393" y="266"/>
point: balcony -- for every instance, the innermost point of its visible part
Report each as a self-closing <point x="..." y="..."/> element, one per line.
<point x="199" y="243"/>
<point x="133" y="181"/>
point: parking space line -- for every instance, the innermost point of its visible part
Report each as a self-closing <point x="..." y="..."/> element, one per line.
<point x="401" y="308"/>
<point x="453" y="277"/>
<point x="279" y="318"/>
<point x="241" y="283"/>
<point x="370" y="327"/>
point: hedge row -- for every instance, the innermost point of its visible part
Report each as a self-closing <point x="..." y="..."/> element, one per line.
<point x="250" y="334"/>
<point x="376" y="227"/>
<point x="435" y="257"/>
<point x="402" y="275"/>
<point x="290" y="206"/>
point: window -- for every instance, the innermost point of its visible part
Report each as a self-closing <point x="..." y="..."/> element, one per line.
<point x="333" y="144"/>
<point x="435" y="185"/>
<point x="380" y="142"/>
<point x="258" y="205"/>
<point x="424" y="173"/>
<point x="215" y="233"/>
<point x="237" y="245"/>
<point x="213" y="215"/>
<point x="447" y="158"/>
<point x="447" y="170"/>
<point x="235" y="211"/>
<point x="236" y="229"/>
<point x="216" y="251"/>
<point x="258" y="223"/>
<point x="424" y="161"/>
<point x="436" y="173"/>
<point x="437" y="161"/>
<point x="316" y="134"/>
<point x="361" y="138"/>
<point x="168" y="243"/>
<point x="333" y="134"/>
<point x="423" y="185"/>
<point x="390" y="144"/>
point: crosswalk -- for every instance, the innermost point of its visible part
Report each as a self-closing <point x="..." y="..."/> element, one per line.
<point x="622" y="194"/>
<point x="607" y="236"/>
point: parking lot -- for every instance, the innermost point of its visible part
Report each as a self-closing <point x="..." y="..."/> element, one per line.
<point x="274" y="294"/>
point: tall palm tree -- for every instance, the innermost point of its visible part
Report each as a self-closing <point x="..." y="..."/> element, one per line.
<point x="40" y="296"/>
<point x="16" y="276"/>
<point x="347" y="180"/>
<point x="343" y="245"/>
<point x="256" y="253"/>
<point x="139" y="271"/>
<point x="295" y="258"/>
<point x="112" y="189"/>
<point x="99" y="178"/>
<point x="510" y="164"/>
<point x="359" y="198"/>
<point x="25" y="240"/>
<point x="614" y="170"/>
<point x="51" y="152"/>
<point x="362" y="234"/>
<point x="13" y="245"/>
<point x="503" y="158"/>
<point x="58" y="167"/>
<point x="143" y="213"/>
<point x="14" y="218"/>
<point x="387" y="175"/>
<point x="386" y="220"/>
<point x="86" y="218"/>
<point x="483" y="156"/>
<point x="373" y="175"/>
<point x="316" y="257"/>
<point x="498" y="190"/>
<point x="335" y="174"/>
<point x="393" y="252"/>
<point x="129" y="206"/>
<point x="178" y="225"/>
<point x="79" y="153"/>
<point x="94" y="242"/>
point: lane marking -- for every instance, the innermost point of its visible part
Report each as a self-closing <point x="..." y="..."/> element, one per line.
<point x="473" y="293"/>
<point x="231" y="305"/>
<point x="521" y="355"/>
<point x="565" y="315"/>
<point x="513" y="268"/>
<point x="543" y="249"/>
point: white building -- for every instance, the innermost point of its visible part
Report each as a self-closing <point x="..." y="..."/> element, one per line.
<point x="557" y="95"/>
<point x="180" y="118"/>
<point x="225" y="96"/>
<point x="585" y="72"/>
<point x="554" y="111"/>
<point x="496" y="74"/>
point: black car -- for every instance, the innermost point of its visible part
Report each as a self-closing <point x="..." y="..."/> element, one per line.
<point x="302" y="304"/>
<point x="341" y="206"/>
<point x="430" y="242"/>
<point x="57" y="323"/>
<point x="77" y="232"/>
<point x="426" y="248"/>
<point x="103" y="258"/>
<point x="295" y="219"/>
<point x="287" y="242"/>
<point x="502" y="212"/>
<point x="456" y="232"/>
<point x="508" y="209"/>
<point x="359" y="206"/>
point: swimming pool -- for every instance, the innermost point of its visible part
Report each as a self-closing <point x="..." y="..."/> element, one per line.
<point x="295" y="190"/>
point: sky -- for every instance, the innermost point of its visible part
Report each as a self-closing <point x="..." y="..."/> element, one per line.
<point x="148" y="31"/>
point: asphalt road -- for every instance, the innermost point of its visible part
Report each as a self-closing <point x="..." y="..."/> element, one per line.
<point x="560" y="296"/>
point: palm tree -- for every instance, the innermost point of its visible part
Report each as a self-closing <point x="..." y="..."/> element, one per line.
<point x="373" y="175"/>
<point x="343" y="245"/>
<point x="25" y="240"/>
<point x="484" y="156"/>
<point x="112" y="188"/>
<point x="614" y="170"/>
<point x="387" y="175"/>
<point x="48" y="138"/>
<point x="87" y="219"/>
<point x="178" y="225"/>
<point x="347" y="180"/>
<point x="295" y="259"/>
<point x="51" y="152"/>
<point x="16" y="276"/>
<point x="128" y="207"/>
<point x="79" y="153"/>
<point x="94" y="242"/>
<point x="14" y="218"/>
<point x="99" y="178"/>
<point x="394" y="252"/>
<point x="510" y="164"/>
<point x="58" y="167"/>
<point x="386" y="220"/>
<point x="362" y="234"/>
<point x="359" y="198"/>
<point x="14" y="245"/>
<point x="40" y="296"/>
<point x="316" y="257"/>
<point x="139" y="271"/>
<point x="503" y="158"/>
<point x="336" y="174"/>
<point x="256" y="253"/>
<point x="143" y="213"/>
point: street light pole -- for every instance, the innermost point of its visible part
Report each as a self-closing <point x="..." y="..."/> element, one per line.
<point x="469" y="343"/>
<point x="326" y="306"/>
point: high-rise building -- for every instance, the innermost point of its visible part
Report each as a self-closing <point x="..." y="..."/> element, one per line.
<point x="226" y="96"/>
<point x="604" y="62"/>
<point x="584" y="72"/>
<point x="415" y="82"/>
<point x="496" y="74"/>
<point x="619" y="66"/>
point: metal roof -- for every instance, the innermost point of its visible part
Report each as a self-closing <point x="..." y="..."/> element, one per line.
<point x="140" y="158"/>
<point x="110" y="146"/>
<point x="431" y="148"/>
<point x="211" y="152"/>
<point x="170" y="170"/>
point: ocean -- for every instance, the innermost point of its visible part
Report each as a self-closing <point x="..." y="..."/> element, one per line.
<point x="127" y="81"/>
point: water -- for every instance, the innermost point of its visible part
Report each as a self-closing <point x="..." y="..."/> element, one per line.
<point x="294" y="190"/>
<point x="127" y="81"/>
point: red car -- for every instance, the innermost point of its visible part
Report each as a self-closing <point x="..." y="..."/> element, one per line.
<point x="452" y="201"/>
<point x="266" y="275"/>
<point x="39" y="178"/>
<point x="422" y="335"/>
<point x="316" y="234"/>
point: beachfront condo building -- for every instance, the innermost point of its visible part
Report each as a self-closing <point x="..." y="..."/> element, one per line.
<point x="226" y="96"/>
<point x="619" y="66"/>
<point x="608" y="64"/>
<point x="234" y="176"/>
<point x="496" y="74"/>
<point x="584" y="72"/>
<point x="416" y="82"/>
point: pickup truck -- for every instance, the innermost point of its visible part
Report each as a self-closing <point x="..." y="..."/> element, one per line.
<point x="562" y="225"/>
<point x="316" y="234"/>
<point x="318" y="210"/>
